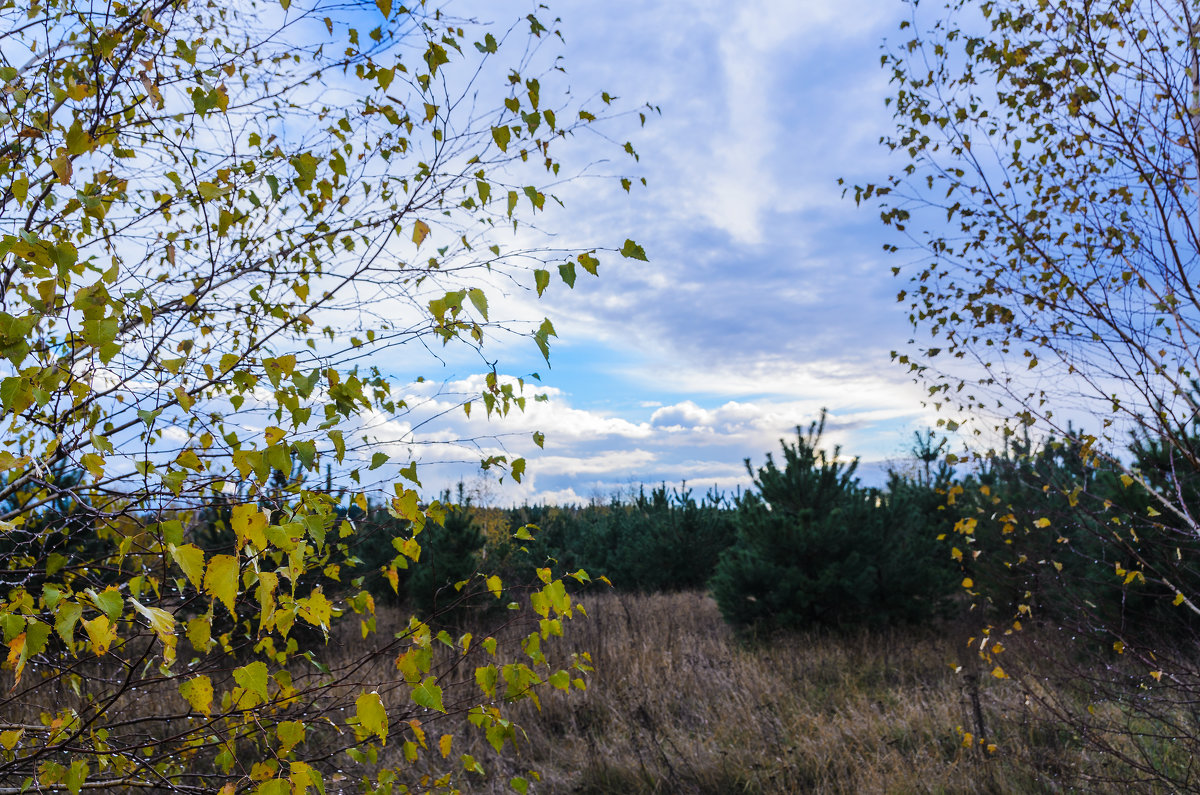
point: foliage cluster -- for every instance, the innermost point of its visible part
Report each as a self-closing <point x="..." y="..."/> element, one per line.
<point x="664" y="541"/>
<point x="216" y="221"/>
<point x="815" y="547"/>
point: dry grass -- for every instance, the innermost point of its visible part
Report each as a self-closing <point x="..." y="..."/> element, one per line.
<point x="678" y="705"/>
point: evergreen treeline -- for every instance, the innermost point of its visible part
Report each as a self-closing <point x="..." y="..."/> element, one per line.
<point x="808" y="544"/>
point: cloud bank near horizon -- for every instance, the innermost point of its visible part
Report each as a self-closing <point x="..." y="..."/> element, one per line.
<point x="767" y="296"/>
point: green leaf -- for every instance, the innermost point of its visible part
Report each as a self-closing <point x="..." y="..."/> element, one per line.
<point x="109" y="601"/>
<point x="66" y="616"/>
<point x="306" y="169"/>
<point x="428" y="694"/>
<point x="479" y="300"/>
<point x="501" y="135"/>
<point x="290" y="733"/>
<point x="541" y="278"/>
<point x="488" y="45"/>
<point x="542" y="337"/>
<point x="76" y="776"/>
<point x="339" y="444"/>
<point x="487" y="677"/>
<point x="589" y="263"/>
<point x="253" y="677"/>
<point x="378" y="460"/>
<point x="385" y="7"/>
<point x="567" y="272"/>
<point x="372" y="717"/>
<point x="275" y="786"/>
<point x="632" y="250"/>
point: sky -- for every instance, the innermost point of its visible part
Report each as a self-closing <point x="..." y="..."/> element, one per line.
<point x="767" y="295"/>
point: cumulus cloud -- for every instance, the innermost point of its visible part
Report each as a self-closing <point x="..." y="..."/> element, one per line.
<point x="593" y="452"/>
<point x="766" y="298"/>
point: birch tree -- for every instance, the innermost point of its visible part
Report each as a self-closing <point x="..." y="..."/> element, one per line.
<point x="214" y="219"/>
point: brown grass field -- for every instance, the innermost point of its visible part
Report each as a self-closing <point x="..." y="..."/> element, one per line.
<point x="677" y="705"/>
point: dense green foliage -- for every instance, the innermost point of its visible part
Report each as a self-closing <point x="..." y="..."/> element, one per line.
<point x="664" y="541"/>
<point x="816" y="548"/>
<point x="450" y="555"/>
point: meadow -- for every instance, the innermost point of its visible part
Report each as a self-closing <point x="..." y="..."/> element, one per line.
<point x="678" y="704"/>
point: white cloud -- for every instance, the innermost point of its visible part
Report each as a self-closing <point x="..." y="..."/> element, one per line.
<point x="608" y="462"/>
<point x="596" y="451"/>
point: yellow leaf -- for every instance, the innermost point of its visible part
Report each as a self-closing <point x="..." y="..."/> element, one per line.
<point x="290" y="734"/>
<point x="316" y="609"/>
<point x="372" y="717"/>
<point x="998" y="672"/>
<point x="249" y="524"/>
<point x="418" y="732"/>
<point x="190" y="559"/>
<point x="199" y="632"/>
<point x="444" y="745"/>
<point x="163" y="624"/>
<point x="9" y="461"/>
<point x="1043" y="522"/>
<point x="495" y="585"/>
<point x="267" y="583"/>
<point x="221" y="580"/>
<point x="420" y="232"/>
<point x="101" y="633"/>
<point x="198" y="692"/>
<point x="15" y="647"/>
<point x="411" y="548"/>
<point x="62" y="168"/>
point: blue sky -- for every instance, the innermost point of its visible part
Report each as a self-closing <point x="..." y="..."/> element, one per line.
<point x="767" y="295"/>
